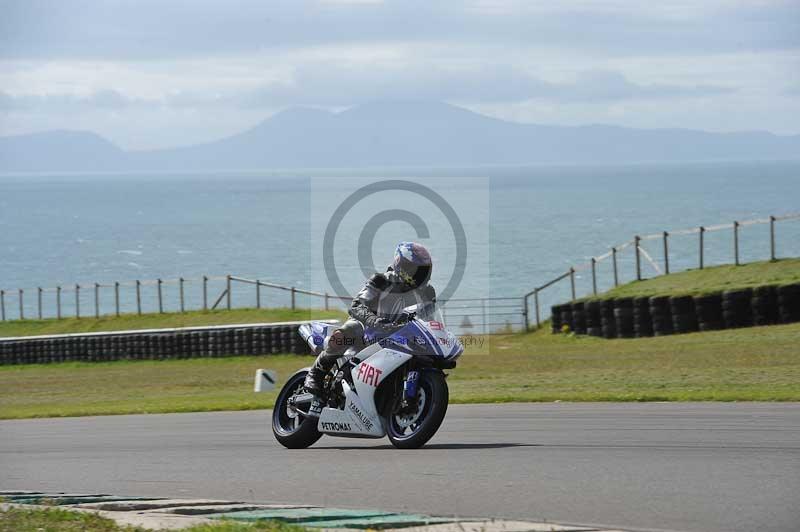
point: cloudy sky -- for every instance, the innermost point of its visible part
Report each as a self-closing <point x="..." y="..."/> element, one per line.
<point x="156" y="73"/>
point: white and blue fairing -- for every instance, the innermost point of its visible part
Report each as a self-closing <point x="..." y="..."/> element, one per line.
<point x="315" y="333"/>
<point x="425" y="335"/>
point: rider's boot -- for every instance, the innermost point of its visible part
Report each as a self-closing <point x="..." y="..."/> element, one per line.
<point x="316" y="377"/>
<point x="314" y="384"/>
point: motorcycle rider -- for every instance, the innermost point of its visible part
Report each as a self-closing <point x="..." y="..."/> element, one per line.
<point x="379" y="307"/>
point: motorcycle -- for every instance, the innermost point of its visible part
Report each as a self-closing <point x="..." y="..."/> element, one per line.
<point x="395" y="386"/>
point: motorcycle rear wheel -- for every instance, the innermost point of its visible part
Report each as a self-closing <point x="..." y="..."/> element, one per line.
<point x="413" y="430"/>
<point x="292" y="429"/>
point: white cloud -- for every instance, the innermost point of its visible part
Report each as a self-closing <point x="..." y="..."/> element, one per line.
<point x="161" y="73"/>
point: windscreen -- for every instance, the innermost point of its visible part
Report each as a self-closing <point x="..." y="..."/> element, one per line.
<point x="430" y="312"/>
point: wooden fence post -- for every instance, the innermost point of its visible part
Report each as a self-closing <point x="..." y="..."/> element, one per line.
<point x="39" y="301"/>
<point x="180" y="282"/>
<point x="3" y="305"/>
<point x="138" y="297"/>
<point x="666" y="253"/>
<point x="58" y="302"/>
<point x="77" y="301"/>
<point x="326" y="301"/>
<point x="636" y="240"/>
<point x="228" y="292"/>
<point x="736" y="242"/>
<point x="205" y="292"/>
<point x="293" y="297"/>
<point x="614" y="261"/>
<point x="525" y="318"/>
<point x="96" y="300"/>
<point x="116" y="298"/>
<point x="572" y="281"/>
<point x="160" y="299"/>
<point x="594" y="276"/>
<point x="536" y="305"/>
<point x="21" y="305"/>
<point x="771" y="238"/>
<point x="258" y="293"/>
<point x="702" y="232"/>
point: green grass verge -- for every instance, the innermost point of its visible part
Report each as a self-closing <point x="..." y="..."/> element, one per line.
<point x="713" y="279"/>
<point x="63" y="520"/>
<point x="158" y="321"/>
<point x="753" y="364"/>
<point x="57" y="519"/>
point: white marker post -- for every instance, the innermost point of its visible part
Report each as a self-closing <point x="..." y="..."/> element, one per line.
<point x="265" y="380"/>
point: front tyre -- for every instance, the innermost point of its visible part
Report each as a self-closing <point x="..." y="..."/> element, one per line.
<point x="411" y="428"/>
<point x="291" y="427"/>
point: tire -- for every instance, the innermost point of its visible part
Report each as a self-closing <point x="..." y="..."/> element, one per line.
<point x="708" y="308"/>
<point x="579" y="317"/>
<point x="764" y="304"/>
<point x="555" y="319"/>
<point x="642" y="321"/>
<point x="592" y="311"/>
<point x="437" y="396"/>
<point x="623" y="317"/>
<point x="789" y="303"/>
<point x="566" y="316"/>
<point x="607" y="319"/>
<point x="684" y="319"/>
<point x="736" y="309"/>
<point x="706" y="326"/>
<point x="660" y="315"/>
<point x="594" y="323"/>
<point x="293" y="437"/>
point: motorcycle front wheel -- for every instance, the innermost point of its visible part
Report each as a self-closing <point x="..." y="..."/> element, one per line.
<point x="291" y="428"/>
<point x="411" y="428"/>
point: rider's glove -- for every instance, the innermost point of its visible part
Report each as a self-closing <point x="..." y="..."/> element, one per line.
<point x="401" y="320"/>
<point x="388" y="325"/>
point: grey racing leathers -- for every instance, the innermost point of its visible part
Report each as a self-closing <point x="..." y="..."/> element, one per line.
<point x="377" y="306"/>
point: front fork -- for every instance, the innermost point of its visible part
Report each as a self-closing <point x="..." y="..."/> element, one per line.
<point x="410" y="387"/>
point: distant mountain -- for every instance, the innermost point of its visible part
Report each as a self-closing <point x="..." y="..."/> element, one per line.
<point x="396" y="134"/>
<point x="60" y="151"/>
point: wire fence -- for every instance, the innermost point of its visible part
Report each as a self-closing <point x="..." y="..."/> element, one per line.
<point x="94" y="300"/>
<point x="155" y="296"/>
<point x="660" y="254"/>
<point x="642" y="256"/>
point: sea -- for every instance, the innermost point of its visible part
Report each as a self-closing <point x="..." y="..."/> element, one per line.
<point x="493" y="232"/>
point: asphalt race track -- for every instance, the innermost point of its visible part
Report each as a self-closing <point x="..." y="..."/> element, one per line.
<point x="699" y="467"/>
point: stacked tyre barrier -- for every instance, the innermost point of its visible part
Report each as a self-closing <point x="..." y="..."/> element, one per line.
<point x="579" y="317"/>
<point x="642" y="320"/>
<point x="555" y="320"/>
<point x="736" y="311"/>
<point x="566" y="316"/>
<point x="206" y="342"/>
<point x="708" y="309"/>
<point x="764" y="304"/>
<point x="623" y="317"/>
<point x="608" y="323"/>
<point x="682" y="310"/>
<point x="594" y="321"/>
<point x="640" y="317"/>
<point x="660" y="315"/>
<point x="789" y="303"/>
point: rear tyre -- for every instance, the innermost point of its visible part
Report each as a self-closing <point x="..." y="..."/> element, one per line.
<point x="412" y="429"/>
<point x="291" y="428"/>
